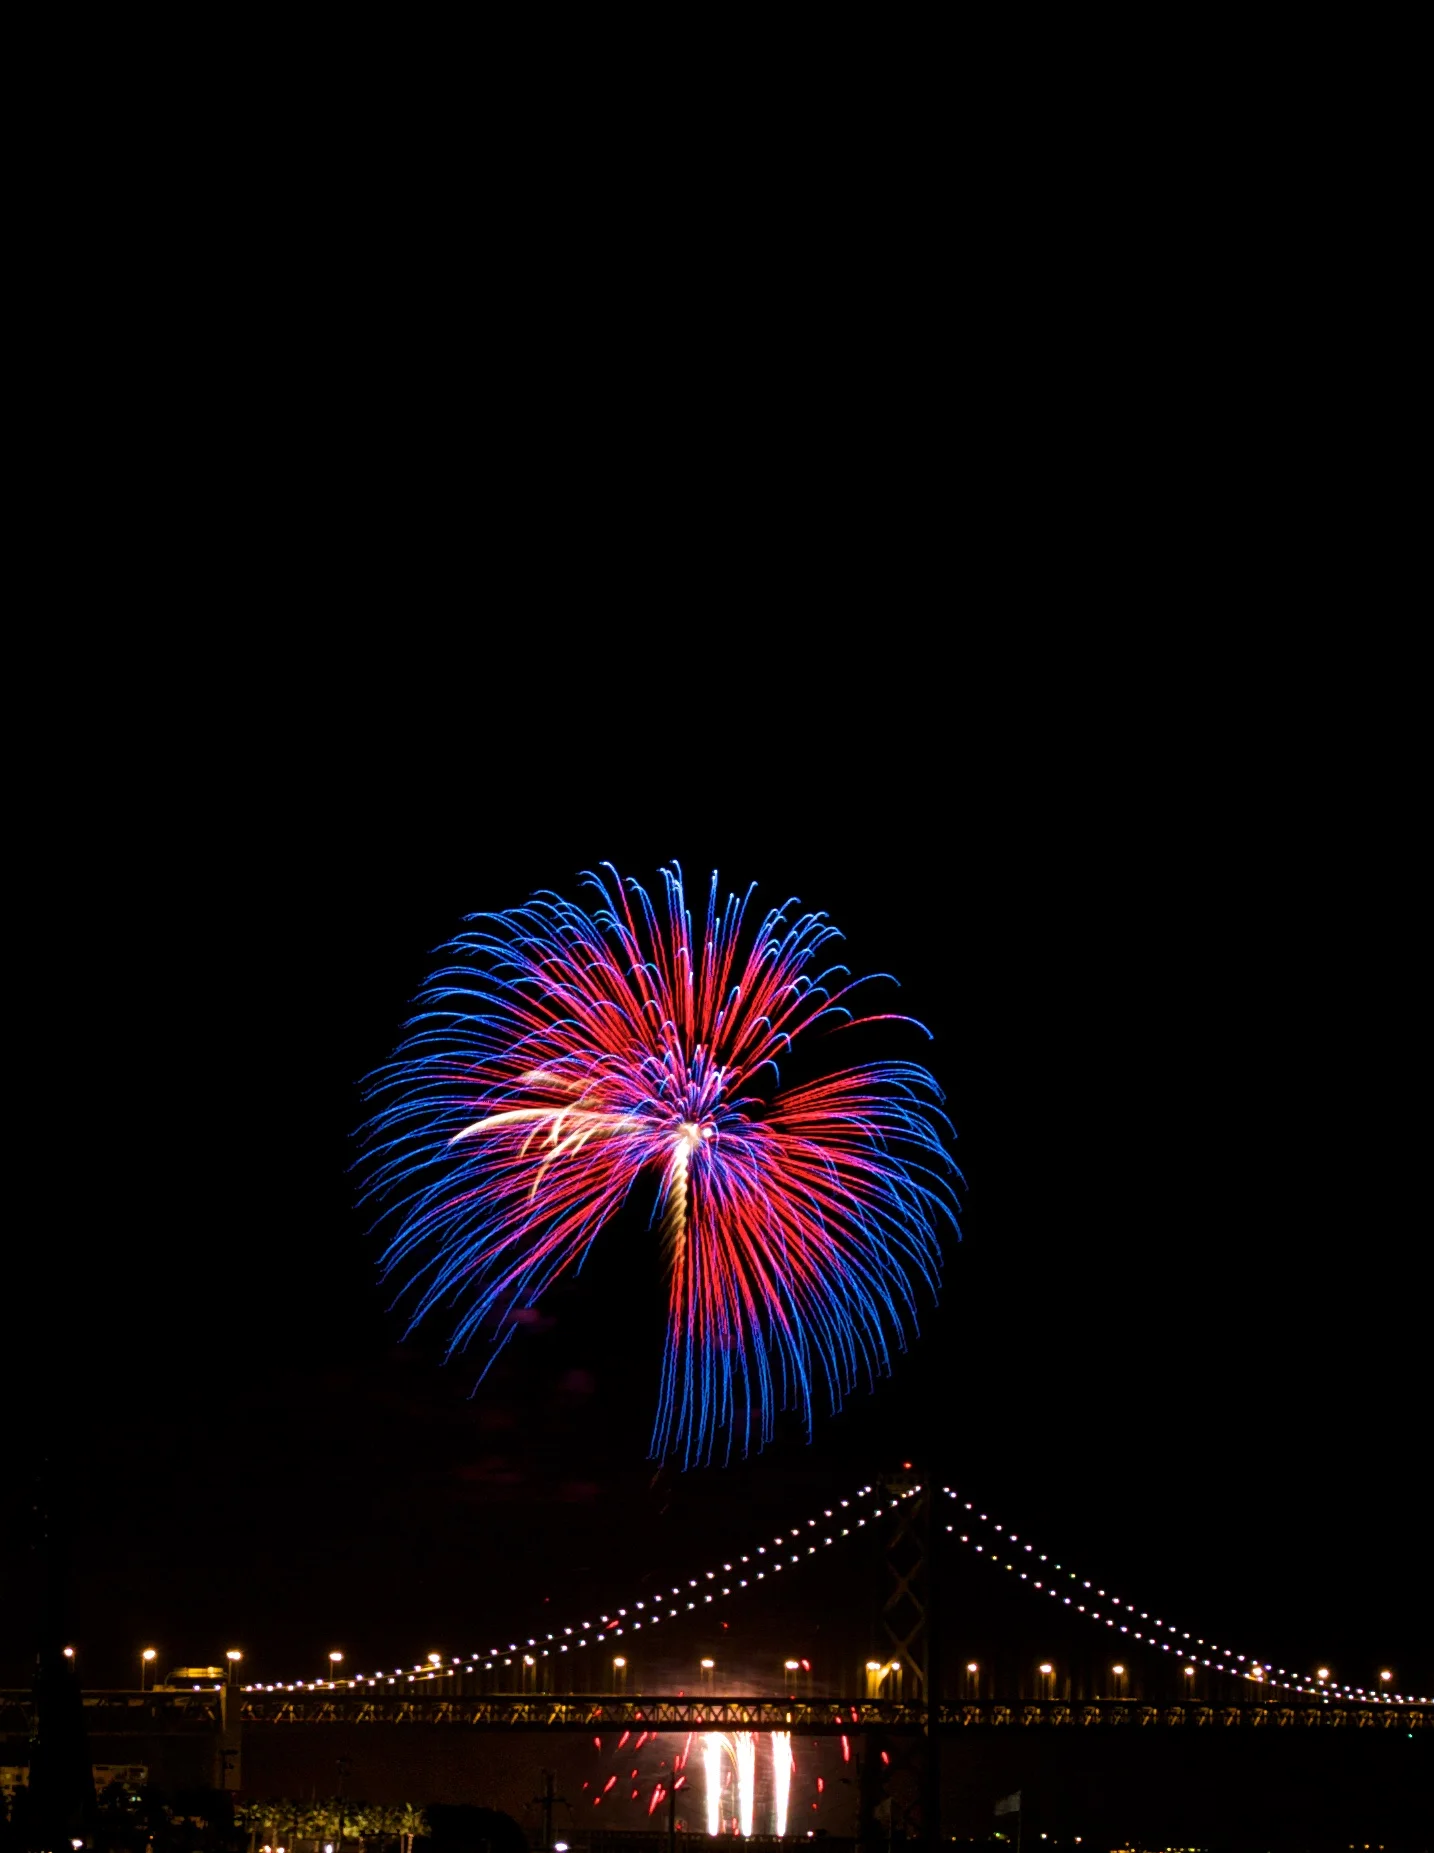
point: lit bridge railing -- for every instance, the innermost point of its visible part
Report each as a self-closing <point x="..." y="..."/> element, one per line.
<point x="812" y="1718"/>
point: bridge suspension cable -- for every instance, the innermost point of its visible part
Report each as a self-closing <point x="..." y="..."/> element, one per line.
<point x="1259" y="1672"/>
<point x="864" y="1507"/>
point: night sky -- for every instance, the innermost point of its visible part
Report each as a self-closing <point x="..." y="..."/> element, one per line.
<point x="1174" y="973"/>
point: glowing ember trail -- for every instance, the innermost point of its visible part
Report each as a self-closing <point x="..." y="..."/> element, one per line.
<point x="712" y="1770"/>
<point x="781" y="1776"/>
<point x="745" y="1751"/>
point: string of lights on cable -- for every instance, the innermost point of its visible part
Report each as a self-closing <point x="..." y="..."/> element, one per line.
<point x="1225" y="1660"/>
<point x="862" y="1509"/>
<point x="787" y="1550"/>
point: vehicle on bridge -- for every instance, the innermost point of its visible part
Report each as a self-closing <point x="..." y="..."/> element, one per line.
<point x="192" y="1679"/>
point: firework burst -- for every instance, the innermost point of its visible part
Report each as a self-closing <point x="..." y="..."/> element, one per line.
<point x="565" y="1054"/>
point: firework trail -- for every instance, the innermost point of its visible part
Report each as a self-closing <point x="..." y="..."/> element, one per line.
<point x="712" y="1747"/>
<point x="744" y="1754"/>
<point x="566" y="1053"/>
<point x="781" y="1779"/>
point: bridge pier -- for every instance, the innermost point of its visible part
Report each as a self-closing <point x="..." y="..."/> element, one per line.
<point x="229" y="1744"/>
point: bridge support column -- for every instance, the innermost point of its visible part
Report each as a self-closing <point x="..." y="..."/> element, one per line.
<point x="228" y="1764"/>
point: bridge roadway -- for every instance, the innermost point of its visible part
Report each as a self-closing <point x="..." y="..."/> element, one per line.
<point x="217" y="1713"/>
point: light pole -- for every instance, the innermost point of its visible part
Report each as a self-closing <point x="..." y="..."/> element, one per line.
<point x="335" y="1662"/>
<point x="619" y="1673"/>
<point x="1047" y="1672"/>
<point x="1118" y="1673"/>
<point x="146" y="1665"/>
<point x="233" y="1657"/>
<point x="707" y="1670"/>
<point x="1190" y="1682"/>
<point x="973" y="1685"/>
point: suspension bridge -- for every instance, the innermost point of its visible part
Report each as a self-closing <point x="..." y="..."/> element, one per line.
<point x="1167" y="1678"/>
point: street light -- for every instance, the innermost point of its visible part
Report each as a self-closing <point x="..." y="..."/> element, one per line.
<point x="233" y="1657"/>
<point x="69" y="1653"/>
<point x="1385" y="1676"/>
<point x="146" y="1661"/>
<point x="435" y="1659"/>
<point x="1321" y="1672"/>
<point x="335" y="1661"/>
<point x="619" y="1673"/>
<point x="1119" y="1672"/>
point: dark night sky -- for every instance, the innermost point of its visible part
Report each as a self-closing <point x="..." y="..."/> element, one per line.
<point x="1174" y="968"/>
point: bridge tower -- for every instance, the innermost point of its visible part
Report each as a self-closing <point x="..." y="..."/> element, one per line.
<point x="906" y="1617"/>
<point x="909" y="1620"/>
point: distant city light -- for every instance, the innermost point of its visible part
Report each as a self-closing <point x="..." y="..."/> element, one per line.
<point x="435" y="1659"/>
<point x="69" y="1655"/>
<point x="1321" y="1672"/>
<point x="1386" y="1676"/>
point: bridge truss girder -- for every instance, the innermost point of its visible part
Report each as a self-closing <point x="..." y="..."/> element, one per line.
<point x="121" y="1714"/>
